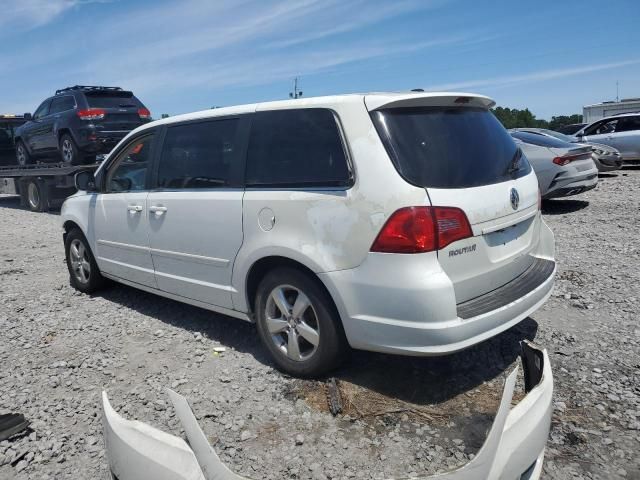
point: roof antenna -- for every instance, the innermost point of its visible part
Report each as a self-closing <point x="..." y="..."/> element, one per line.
<point x="617" y="91"/>
<point x="417" y="89"/>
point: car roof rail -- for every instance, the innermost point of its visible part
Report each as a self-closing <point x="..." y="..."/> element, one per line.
<point x="89" y="88"/>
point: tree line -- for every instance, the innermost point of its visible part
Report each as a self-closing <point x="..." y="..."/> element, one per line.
<point x="514" y="118"/>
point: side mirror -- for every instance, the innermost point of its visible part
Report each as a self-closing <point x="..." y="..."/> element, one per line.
<point x="28" y="116"/>
<point x="579" y="134"/>
<point x="85" y="181"/>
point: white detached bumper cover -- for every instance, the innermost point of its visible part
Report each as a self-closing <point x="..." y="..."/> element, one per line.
<point x="514" y="448"/>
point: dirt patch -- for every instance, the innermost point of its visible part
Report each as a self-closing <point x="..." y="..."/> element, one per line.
<point x="362" y="403"/>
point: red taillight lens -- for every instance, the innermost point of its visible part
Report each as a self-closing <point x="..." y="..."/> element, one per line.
<point x="91" y="114"/>
<point x="422" y="229"/>
<point x="144" y="113"/>
<point x="566" y="159"/>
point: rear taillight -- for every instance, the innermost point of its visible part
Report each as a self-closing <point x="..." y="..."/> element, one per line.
<point x="144" y="113"/>
<point x="566" y="159"/>
<point x="91" y="114"/>
<point x="422" y="229"/>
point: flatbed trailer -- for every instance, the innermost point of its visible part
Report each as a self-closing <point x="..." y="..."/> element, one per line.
<point x="42" y="186"/>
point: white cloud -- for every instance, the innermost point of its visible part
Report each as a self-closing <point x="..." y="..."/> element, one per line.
<point x="346" y="17"/>
<point x="532" y="77"/>
<point x="22" y="15"/>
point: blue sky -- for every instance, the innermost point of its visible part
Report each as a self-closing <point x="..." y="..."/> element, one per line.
<point x="186" y="55"/>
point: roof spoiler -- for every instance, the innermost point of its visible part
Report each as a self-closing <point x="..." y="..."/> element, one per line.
<point x="426" y="99"/>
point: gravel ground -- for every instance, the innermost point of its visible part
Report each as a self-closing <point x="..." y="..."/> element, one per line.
<point x="406" y="416"/>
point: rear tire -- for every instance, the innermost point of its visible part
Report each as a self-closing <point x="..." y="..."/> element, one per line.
<point x="84" y="273"/>
<point x="69" y="151"/>
<point x="35" y="195"/>
<point x="22" y="154"/>
<point x="307" y="340"/>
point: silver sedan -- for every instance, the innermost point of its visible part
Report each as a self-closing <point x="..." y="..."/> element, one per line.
<point x="562" y="168"/>
<point x="605" y="157"/>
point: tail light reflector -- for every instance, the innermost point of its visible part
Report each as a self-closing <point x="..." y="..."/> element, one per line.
<point x="91" y="114"/>
<point x="422" y="229"/>
<point x="144" y="113"/>
<point x="567" y="159"/>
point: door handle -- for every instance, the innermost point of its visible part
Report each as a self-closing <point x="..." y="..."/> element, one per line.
<point x="157" y="209"/>
<point x="135" y="208"/>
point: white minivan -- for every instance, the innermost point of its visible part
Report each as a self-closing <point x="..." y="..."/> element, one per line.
<point x="405" y="223"/>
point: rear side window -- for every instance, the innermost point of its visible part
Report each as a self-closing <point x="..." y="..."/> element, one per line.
<point x="628" y="124"/>
<point x="111" y="99"/>
<point x="541" y="140"/>
<point x="61" y="104"/>
<point x="296" y="148"/>
<point x="198" y="155"/>
<point x="443" y="147"/>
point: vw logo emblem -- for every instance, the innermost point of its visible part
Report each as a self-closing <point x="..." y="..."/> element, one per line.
<point x="515" y="198"/>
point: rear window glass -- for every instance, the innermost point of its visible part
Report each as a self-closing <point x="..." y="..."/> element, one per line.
<point x="112" y="100"/>
<point x="296" y="148"/>
<point x="541" y="140"/>
<point x="444" y="147"/>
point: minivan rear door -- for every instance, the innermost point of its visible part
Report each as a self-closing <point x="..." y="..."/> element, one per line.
<point x="465" y="158"/>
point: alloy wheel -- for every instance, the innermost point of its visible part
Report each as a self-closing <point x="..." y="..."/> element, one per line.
<point x="292" y="322"/>
<point x="67" y="151"/>
<point x="22" y="155"/>
<point x="79" y="259"/>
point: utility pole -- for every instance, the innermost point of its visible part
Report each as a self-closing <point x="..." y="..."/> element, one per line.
<point x="296" y="93"/>
<point x="617" y="92"/>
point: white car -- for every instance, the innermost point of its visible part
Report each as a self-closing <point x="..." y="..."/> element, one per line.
<point x="399" y="223"/>
<point x="621" y="132"/>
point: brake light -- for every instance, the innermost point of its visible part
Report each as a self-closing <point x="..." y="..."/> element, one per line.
<point x="144" y="113"/>
<point x="91" y="114"/>
<point x="567" y="159"/>
<point x="422" y="229"/>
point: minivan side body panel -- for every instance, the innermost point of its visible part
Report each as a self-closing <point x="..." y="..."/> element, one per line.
<point x="325" y="229"/>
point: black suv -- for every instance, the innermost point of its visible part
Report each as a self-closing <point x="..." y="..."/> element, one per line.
<point x="79" y="122"/>
<point x="8" y="126"/>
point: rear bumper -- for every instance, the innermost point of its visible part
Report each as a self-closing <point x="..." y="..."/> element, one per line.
<point x="99" y="141"/>
<point x="412" y="310"/>
<point x="607" y="164"/>
<point x="565" y="185"/>
<point x="514" y="447"/>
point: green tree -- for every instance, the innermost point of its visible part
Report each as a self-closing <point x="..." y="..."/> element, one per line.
<point x="514" y="118"/>
<point x="561" y="120"/>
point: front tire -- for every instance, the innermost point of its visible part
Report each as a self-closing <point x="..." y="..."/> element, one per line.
<point x="69" y="151"/>
<point x="298" y="323"/>
<point x="84" y="273"/>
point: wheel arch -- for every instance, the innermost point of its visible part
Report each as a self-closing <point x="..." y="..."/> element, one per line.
<point x="19" y="139"/>
<point x="64" y="130"/>
<point x="261" y="267"/>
